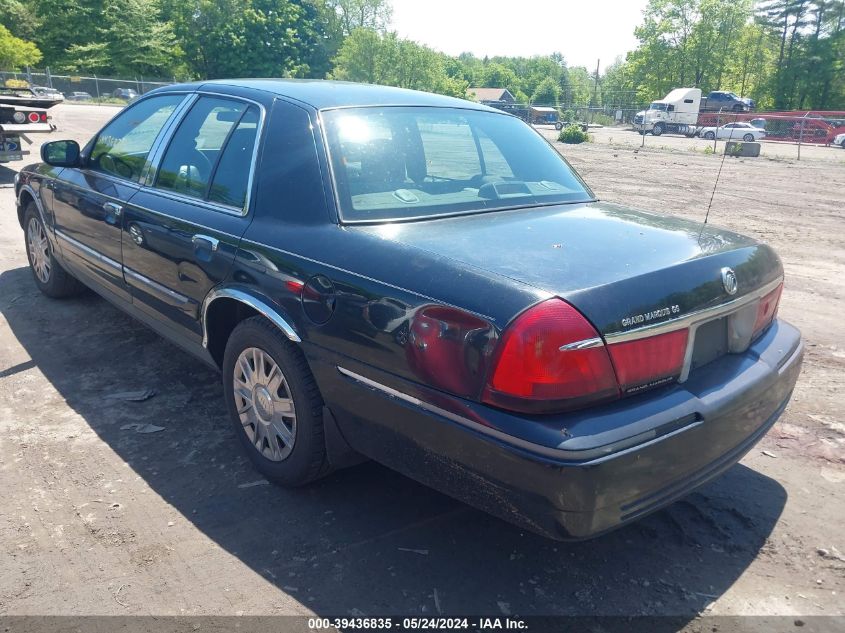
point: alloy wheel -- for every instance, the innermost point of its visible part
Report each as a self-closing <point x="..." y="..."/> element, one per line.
<point x="264" y="403"/>
<point x="39" y="250"/>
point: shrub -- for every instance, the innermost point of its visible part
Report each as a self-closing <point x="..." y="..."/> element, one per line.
<point x="603" y="119"/>
<point x="573" y="135"/>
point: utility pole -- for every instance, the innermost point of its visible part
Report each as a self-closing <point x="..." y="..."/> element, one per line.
<point x="595" y="89"/>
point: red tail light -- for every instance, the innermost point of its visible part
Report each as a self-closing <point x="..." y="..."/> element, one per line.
<point x="540" y="366"/>
<point x="449" y="348"/>
<point x="43" y="117"/>
<point x="767" y="309"/>
<point x="33" y="117"/>
<point x="649" y="361"/>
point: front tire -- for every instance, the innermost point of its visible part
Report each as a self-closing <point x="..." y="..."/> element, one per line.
<point x="274" y="404"/>
<point x="657" y="130"/>
<point x="51" y="279"/>
<point x="710" y="135"/>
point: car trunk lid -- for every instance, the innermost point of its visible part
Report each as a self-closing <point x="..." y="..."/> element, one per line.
<point x="624" y="269"/>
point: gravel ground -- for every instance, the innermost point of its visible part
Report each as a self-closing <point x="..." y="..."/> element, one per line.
<point x="99" y="518"/>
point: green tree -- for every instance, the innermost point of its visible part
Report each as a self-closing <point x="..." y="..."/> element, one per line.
<point x="370" y="57"/>
<point x="132" y="39"/>
<point x="251" y="38"/>
<point x="16" y="53"/>
<point x="63" y="24"/>
<point x="19" y="17"/>
<point x="582" y="85"/>
<point x="495" y="75"/>
<point x="547" y="92"/>
<point x="362" y="14"/>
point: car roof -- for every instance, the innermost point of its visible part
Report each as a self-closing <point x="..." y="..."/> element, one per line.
<point x="324" y="94"/>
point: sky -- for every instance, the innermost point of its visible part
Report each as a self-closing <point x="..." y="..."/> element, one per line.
<point x="583" y="31"/>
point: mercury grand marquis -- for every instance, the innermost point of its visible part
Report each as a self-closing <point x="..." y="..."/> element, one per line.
<point x="422" y="281"/>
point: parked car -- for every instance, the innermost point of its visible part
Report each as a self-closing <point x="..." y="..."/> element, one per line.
<point x="125" y="93"/>
<point x="733" y="131"/>
<point x="839" y="139"/>
<point x="79" y="96"/>
<point x="52" y="93"/>
<point x="371" y="283"/>
<point x="719" y="100"/>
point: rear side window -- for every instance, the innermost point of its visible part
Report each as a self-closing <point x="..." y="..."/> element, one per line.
<point x="231" y="176"/>
<point x="210" y="155"/>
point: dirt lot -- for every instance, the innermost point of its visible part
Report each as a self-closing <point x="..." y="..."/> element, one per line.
<point x="625" y="137"/>
<point x="101" y="519"/>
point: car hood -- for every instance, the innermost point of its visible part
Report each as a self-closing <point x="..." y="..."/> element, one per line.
<point x="608" y="260"/>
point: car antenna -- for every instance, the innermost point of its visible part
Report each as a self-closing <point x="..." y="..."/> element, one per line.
<point x="718" y="175"/>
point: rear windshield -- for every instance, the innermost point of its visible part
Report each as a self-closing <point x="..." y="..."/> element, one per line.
<point x="398" y="163"/>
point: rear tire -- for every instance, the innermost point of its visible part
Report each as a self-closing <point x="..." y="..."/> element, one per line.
<point x="51" y="279"/>
<point x="274" y="404"/>
<point x="748" y="138"/>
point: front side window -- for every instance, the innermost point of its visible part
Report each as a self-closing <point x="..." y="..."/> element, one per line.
<point x="122" y="147"/>
<point x="394" y="163"/>
<point x="210" y="155"/>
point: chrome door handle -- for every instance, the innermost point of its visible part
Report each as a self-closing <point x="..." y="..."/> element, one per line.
<point x="211" y="242"/>
<point x="115" y="209"/>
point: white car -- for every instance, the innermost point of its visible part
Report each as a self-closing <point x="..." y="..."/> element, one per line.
<point x="839" y="139"/>
<point x="733" y="131"/>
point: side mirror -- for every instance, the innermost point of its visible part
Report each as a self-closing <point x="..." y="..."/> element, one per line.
<point x="61" y="153"/>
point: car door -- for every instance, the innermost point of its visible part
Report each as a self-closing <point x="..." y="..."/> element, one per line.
<point x="88" y="201"/>
<point x="182" y="229"/>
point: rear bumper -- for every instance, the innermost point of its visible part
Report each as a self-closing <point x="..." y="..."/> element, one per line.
<point x="577" y="475"/>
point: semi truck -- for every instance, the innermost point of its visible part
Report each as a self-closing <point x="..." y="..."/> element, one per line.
<point x="678" y="112"/>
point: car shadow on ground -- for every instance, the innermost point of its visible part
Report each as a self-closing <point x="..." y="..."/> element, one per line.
<point x="367" y="540"/>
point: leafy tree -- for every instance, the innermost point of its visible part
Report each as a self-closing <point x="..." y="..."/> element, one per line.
<point x="19" y="17"/>
<point x="495" y="75"/>
<point x="582" y="85"/>
<point x="370" y="57"/>
<point x="251" y="38"/>
<point x="62" y="24"/>
<point x="132" y="40"/>
<point x="15" y="52"/>
<point x="362" y="14"/>
<point x="546" y="93"/>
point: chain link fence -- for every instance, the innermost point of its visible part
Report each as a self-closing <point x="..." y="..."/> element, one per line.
<point x="796" y="127"/>
<point x="84" y="88"/>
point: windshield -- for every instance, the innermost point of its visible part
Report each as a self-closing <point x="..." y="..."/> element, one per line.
<point x="657" y="106"/>
<point x="395" y="163"/>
